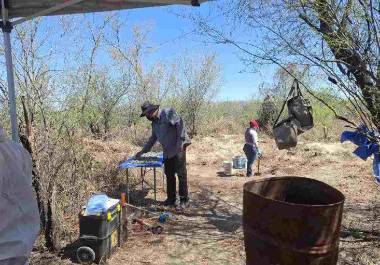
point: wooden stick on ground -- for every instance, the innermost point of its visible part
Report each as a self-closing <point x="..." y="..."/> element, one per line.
<point x="258" y="167"/>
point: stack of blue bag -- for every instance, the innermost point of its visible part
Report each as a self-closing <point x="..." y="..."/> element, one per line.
<point x="366" y="147"/>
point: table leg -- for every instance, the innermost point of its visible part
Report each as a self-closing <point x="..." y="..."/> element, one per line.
<point x="154" y="185"/>
<point x="142" y="178"/>
<point x="127" y="172"/>
<point x="163" y="179"/>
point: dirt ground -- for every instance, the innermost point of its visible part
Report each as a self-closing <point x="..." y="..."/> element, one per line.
<point x="210" y="231"/>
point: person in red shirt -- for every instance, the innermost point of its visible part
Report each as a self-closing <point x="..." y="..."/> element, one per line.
<point x="251" y="147"/>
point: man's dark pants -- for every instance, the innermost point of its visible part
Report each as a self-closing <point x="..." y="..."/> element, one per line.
<point x="251" y="154"/>
<point x="173" y="165"/>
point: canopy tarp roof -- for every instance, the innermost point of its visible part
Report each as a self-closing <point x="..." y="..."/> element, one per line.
<point x="25" y="8"/>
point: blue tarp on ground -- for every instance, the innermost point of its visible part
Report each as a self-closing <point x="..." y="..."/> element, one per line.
<point x="366" y="147"/>
<point x="134" y="163"/>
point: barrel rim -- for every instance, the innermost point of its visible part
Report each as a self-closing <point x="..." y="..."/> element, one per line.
<point x="296" y="204"/>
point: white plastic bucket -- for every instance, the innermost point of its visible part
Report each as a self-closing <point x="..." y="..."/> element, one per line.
<point x="227" y="167"/>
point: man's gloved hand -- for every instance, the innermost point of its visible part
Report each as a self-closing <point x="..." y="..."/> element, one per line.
<point x="139" y="154"/>
<point x="259" y="153"/>
<point x="182" y="148"/>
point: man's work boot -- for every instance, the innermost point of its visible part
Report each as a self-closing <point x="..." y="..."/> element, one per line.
<point x="169" y="203"/>
<point x="183" y="204"/>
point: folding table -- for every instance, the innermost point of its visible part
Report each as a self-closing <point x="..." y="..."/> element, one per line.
<point x="144" y="163"/>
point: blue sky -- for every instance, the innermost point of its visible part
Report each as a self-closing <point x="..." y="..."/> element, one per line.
<point x="172" y="35"/>
<point x="237" y="84"/>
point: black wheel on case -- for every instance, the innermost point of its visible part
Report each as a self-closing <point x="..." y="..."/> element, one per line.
<point x="158" y="230"/>
<point x="85" y="255"/>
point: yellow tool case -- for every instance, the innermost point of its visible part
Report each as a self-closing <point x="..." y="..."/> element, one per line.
<point x="99" y="235"/>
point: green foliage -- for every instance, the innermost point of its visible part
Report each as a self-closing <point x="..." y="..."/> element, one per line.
<point x="325" y="122"/>
<point x="230" y="117"/>
<point x="267" y="113"/>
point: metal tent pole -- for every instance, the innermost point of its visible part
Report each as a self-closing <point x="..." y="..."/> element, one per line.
<point x="11" y="83"/>
<point x="6" y="26"/>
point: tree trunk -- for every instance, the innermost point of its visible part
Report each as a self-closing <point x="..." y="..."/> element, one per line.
<point x="50" y="240"/>
<point x="339" y="44"/>
<point x="106" y="122"/>
<point x="26" y="141"/>
<point x="28" y="120"/>
<point x="95" y="130"/>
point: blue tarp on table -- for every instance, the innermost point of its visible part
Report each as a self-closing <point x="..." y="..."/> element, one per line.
<point x="134" y="163"/>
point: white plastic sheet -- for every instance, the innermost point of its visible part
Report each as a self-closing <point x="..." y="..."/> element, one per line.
<point x="19" y="220"/>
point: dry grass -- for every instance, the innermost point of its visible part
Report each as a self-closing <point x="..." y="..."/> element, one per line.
<point x="210" y="232"/>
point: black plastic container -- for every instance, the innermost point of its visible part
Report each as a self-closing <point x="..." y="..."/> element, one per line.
<point x="99" y="235"/>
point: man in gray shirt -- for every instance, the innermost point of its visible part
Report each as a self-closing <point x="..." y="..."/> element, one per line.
<point x="168" y="128"/>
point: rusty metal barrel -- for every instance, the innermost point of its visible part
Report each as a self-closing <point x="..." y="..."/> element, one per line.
<point x="291" y="221"/>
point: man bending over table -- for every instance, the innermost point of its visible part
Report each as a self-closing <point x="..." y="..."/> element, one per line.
<point x="169" y="129"/>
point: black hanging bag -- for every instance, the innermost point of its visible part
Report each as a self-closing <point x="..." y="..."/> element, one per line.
<point x="300" y="108"/>
<point x="300" y="119"/>
<point x="285" y="133"/>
